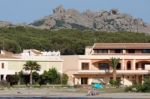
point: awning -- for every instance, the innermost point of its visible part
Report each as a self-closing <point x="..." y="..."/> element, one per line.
<point x="100" y="61"/>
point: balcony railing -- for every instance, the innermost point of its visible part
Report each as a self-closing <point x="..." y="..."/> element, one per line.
<point x="110" y="71"/>
<point x="120" y="53"/>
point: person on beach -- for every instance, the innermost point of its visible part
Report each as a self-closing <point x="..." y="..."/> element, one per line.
<point x="92" y="92"/>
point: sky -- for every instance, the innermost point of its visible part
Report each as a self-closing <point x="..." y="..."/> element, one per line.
<point x="27" y="11"/>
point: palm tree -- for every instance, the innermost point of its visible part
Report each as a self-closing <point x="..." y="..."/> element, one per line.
<point x="31" y="66"/>
<point x="113" y="63"/>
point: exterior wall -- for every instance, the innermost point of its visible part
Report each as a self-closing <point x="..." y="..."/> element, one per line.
<point x="88" y="50"/>
<point x="17" y="66"/>
<point x="147" y="66"/>
<point x="12" y="66"/>
<point x="124" y="58"/>
<point x="4" y="70"/>
<point x="70" y="67"/>
<point x="70" y="63"/>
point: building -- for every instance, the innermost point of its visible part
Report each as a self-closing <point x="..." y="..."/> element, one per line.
<point x="13" y="63"/>
<point x="70" y="67"/>
<point x="94" y="66"/>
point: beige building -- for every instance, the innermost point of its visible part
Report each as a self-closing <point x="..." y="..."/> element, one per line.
<point x="13" y="63"/>
<point x="94" y="66"/>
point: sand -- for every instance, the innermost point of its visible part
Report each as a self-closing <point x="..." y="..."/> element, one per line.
<point x="49" y="92"/>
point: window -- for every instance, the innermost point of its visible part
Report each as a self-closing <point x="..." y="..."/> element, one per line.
<point x="143" y="66"/>
<point x="84" y="80"/>
<point x="101" y="50"/>
<point x="131" y="51"/>
<point x="118" y="51"/>
<point x="103" y="66"/>
<point x="146" y="51"/>
<point x="128" y="65"/>
<point x="85" y="66"/>
<point x="118" y="67"/>
<point x="137" y="66"/>
<point x="2" y="65"/>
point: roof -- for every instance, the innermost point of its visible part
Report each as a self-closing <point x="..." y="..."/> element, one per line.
<point x="37" y="52"/>
<point x="121" y="46"/>
<point x="7" y="55"/>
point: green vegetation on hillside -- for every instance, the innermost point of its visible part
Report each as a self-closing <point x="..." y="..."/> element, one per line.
<point x="68" y="41"/>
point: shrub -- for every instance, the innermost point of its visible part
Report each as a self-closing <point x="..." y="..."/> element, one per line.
<point x="131" y="88"/>
<point x="43" y="79"/>
<point x="23" y="78"/>
<point x="52" y="76"/>
<point x="4" y="83"/>
<point x="12" y="79"/>
<point x="64" y="79"/>
<point x="35" y="77"/>
<point x="115" y="83"/>
<point x="145" y="87"/>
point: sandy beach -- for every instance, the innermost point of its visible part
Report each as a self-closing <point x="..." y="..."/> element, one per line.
<point x="49" y="92"/>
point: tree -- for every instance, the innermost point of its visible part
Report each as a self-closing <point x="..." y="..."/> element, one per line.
<point x="35" y="77"/>
<point x="113" y="63"/>
<point x="43" y="78"/>
<point x="53" y="76"/>
<point x="31" y="66"/>
<point x="23" y="78"/>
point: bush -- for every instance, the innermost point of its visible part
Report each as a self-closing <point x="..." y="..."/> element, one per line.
<point x="23" y="79"/>
<point x="35" y="77"/>
<point x="12" y="79"/>
<point x="43" y="79"/>
<point x="131" y="88"/>
<point x="4" y="83"/>
<point x="115" y="83"/>
<point x="64" y="79"/>
<point x="145" y="87"/>
<point x="52" y="76"/>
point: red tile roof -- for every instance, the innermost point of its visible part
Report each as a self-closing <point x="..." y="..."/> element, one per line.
<point x="121" y="46"/>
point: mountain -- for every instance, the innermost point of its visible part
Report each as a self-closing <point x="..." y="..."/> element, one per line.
<point x="5" y="24"/>
<point x="110" y="21"/>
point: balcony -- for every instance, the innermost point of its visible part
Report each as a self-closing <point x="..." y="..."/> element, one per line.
<point x="118" y="55"/>
<point x="120" y="72"/>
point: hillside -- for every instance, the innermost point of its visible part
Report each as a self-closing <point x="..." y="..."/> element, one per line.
<point x="68" y="41"/>
<point x="109" y="21"/>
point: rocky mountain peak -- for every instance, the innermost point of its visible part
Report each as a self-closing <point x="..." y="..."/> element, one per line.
<point x="58" y="10"/>
<point x="110" y="21"/>
<point x="114" y="11"/>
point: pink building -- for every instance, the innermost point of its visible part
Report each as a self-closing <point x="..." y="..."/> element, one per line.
<point x="94" y="66"/>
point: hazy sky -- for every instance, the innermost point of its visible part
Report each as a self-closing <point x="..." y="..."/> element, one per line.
<point x="26" y="11"/>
